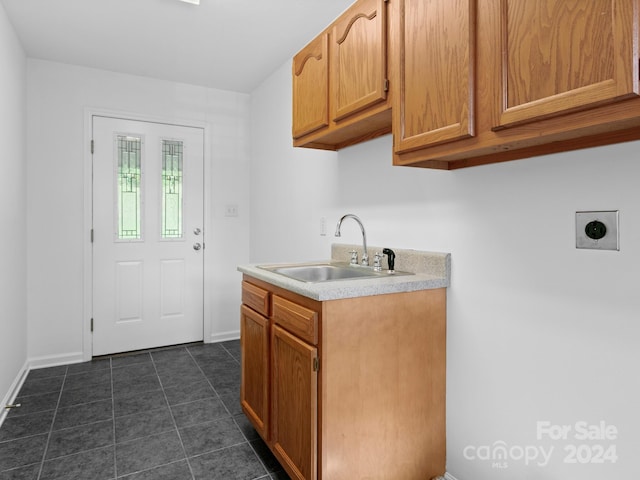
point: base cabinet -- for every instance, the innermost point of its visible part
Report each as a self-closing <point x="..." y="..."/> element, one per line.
<point x="255" y="330"/>
<point x="356" y="387"/>
<point x="294" y="387"/>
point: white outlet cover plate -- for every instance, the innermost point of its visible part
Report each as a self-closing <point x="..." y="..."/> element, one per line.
<point x="231" y="210"/>
<point x="611" y="240"/>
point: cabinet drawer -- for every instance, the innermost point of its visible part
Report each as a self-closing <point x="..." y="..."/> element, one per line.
<point x="256" y="298"/>
<point x="299" y="320"/>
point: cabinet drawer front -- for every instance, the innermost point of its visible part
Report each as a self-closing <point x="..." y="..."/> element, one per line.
<point x="256" y="298"/>
<point x="297" y="319"/>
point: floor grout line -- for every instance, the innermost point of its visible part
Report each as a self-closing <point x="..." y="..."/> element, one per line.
<point x="152" y="468"/>
<point x="175" y="424"/>
<point x="233" y="357"/>
<point x="113" y="419"/>
<point x="53" y="421"/>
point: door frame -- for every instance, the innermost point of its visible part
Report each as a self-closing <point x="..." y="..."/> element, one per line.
<point x="87" y="294"/>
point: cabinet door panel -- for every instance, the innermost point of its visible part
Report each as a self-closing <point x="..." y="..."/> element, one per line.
<point x="358" y="58"/>
<point x="311" y="87"/>
<point x="437" y="59"/>
<point x="294" y="428"/>
<point x="254" y="390"/>
<point x="560" y="56"/>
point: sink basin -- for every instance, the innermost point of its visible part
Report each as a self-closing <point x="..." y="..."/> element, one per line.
<point x="326" y="272"/>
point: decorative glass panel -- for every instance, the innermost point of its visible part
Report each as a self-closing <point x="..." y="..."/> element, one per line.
<point x="172" y="189"/>
<point x="129" y="170"/>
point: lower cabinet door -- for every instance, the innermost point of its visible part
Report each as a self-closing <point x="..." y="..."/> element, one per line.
<point x="254" y="389"/>
<point x="294" y="404"/>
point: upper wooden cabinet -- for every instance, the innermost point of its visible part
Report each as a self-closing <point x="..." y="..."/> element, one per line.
<point x="560" y="56"/>
<point x="472" y="81"/>
<point x="435" y="82"/>
<point x="359" y="59"/>
<point x="311" y="87"/>
<point x="550" y="76"/>
<point x="340" y="81"/>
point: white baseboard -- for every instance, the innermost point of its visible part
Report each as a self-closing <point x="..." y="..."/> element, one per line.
<point x="33" y="364"/>
<point x="55" y="360"/>
<point x="448" y="476"/>
<point x="15" y="387"/>
<point x="224" y="336"/>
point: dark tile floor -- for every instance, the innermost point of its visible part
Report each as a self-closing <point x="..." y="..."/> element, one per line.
<point x="169" y="414"/>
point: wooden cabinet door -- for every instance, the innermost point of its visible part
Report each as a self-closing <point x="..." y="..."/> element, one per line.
<point x="311" y="87"/>
<point x="559" y="56"/>
<point x="358" y="72"/>
<point x="436" y="51"/>
<point x="294" y="396"/>
<point x="254" y="387"/>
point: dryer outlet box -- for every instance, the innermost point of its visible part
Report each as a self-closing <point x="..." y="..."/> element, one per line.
<point x="598" y="230"/>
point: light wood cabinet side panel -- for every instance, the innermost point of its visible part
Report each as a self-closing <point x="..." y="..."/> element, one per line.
<point x="294" y="405"/>
<point x="383" y="375"/>
<point x="311" y="87"/>
<point x="254" y="388"/>
<point x="436" y="47"/>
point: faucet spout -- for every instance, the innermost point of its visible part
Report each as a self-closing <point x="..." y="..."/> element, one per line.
<point x="365" y="255"/>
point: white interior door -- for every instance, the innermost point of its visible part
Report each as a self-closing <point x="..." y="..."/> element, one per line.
<point x="147" y="235"/>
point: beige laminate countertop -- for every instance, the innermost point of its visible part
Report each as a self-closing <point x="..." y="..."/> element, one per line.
<point x="431" y="270"/>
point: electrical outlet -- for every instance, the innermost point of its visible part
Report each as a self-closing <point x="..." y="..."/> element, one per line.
<point x="598" y="230"/>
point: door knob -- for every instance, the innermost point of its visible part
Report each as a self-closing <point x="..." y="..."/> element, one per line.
<point x="197" y="246"/>
<point x="197" y="231"/>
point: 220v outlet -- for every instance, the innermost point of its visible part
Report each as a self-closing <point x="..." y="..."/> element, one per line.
<point x="598" y="230"/>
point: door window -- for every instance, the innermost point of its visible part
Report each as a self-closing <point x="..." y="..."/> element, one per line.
<point x="129" y="188"/>
<point x="171" y="189"/>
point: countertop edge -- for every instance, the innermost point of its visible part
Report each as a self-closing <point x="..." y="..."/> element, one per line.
<point x="351" y="288"/>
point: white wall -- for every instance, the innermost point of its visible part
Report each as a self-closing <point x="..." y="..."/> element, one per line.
<point x="537" y="330"/>
<point x="13" y="286"/>
<point x="57" y="98"/>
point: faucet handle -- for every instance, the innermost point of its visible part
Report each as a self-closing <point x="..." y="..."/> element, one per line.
<point x="377" y="262"/>
<point x="354" y="257"/>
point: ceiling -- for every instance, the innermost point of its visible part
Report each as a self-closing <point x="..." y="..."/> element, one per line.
<point x="225" y="44"/>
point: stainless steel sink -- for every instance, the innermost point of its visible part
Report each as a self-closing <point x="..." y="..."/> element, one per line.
<point x="327" y="272"/>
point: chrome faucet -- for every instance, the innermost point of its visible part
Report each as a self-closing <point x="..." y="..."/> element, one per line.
<point x="365" y="255"/>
